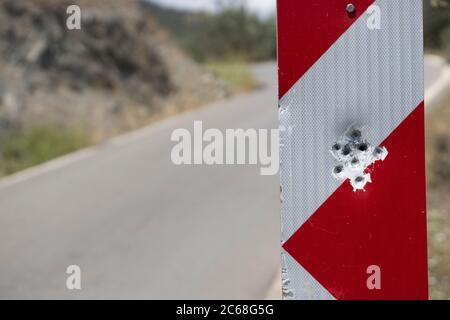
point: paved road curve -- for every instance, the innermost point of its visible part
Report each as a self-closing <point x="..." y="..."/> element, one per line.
<point x="140" y="227"/>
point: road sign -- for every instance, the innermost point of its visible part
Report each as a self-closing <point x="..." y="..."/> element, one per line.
<point x="351" y="73"/>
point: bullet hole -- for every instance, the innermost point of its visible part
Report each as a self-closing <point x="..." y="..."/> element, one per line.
<point x="338" y="169"/>
<point x="360" y="181"/>
<point x="380" y="153"/>
<point x="378" y="150"/>
<point x="362" y="147"/>
<point x="354" y="158"/>
<point x="346" y="150"/>
<point x="355" y="134"/>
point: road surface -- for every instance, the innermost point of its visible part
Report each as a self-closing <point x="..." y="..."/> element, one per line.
<point x="140" y="227"/>
<point x="433" y="68"/>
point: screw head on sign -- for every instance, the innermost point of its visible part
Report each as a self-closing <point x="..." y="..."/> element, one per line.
<point x="351" y="8"/>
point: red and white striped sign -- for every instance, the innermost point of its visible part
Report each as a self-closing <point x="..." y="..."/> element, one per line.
<point x="344" y="63"/>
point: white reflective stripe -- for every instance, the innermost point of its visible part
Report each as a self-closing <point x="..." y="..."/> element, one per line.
<point x="372" y="78"/>
<point x="304" y="286"/>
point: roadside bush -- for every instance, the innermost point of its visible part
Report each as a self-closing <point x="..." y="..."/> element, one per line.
<point x="23" y="149"/>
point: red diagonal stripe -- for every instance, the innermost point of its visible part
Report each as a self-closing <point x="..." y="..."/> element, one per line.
<point x="306" y="30"/>
<point x="384" y="226"/>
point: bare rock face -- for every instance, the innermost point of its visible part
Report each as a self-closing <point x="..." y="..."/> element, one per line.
<point x="109" y="52"/>
<point x="110" y="76"/>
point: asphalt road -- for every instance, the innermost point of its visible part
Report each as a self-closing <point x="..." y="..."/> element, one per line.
<point x="433" y="68"/>
<point x="141" y="227"/>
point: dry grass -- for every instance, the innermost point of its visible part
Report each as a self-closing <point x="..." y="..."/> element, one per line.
<point x="23" y="149"/>
<point x="236" y="73"/>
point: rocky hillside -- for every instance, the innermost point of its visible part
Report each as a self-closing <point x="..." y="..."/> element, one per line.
<point x="116" y="73"/>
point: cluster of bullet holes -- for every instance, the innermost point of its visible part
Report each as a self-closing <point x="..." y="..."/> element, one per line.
<point x="353" y="155"/>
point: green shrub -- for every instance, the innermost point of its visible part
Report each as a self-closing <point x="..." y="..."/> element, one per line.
<point x="23" y="149"/>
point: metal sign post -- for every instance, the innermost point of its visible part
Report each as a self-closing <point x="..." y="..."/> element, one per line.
<point x="352" y="149"/>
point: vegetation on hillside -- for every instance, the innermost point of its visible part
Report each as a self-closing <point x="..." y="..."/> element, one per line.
<point x="225" y="41"/>
<point x="233" y="31"/>
<point x="437" y="25"/>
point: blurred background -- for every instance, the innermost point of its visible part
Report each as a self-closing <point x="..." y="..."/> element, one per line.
<point x="109" y="96"/>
